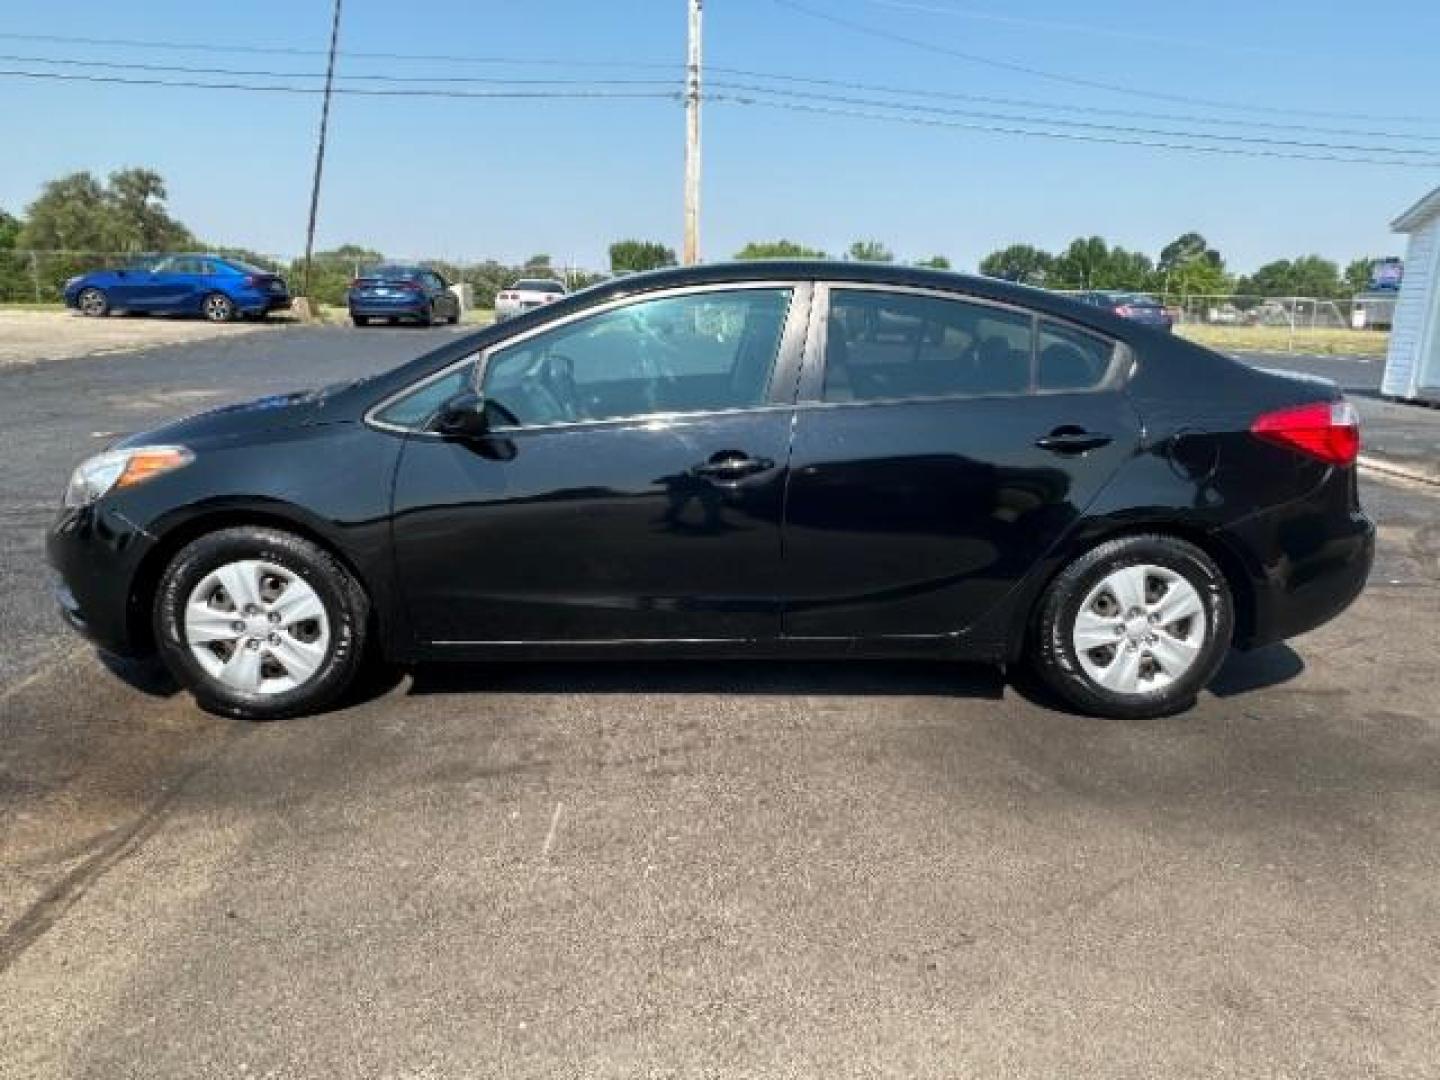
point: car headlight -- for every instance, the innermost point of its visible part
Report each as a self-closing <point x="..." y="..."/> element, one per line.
<point x="122" y="468"/>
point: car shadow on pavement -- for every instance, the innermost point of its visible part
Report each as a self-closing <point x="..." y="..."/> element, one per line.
<point x="1244" y="672"/>
<point x="777" y="677"/>
<point x="145" y="675"/>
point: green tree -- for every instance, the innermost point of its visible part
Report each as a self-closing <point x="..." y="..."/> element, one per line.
<point x="1357" y="275"/>
<point x="1190" y="266"/>
<point x="79" y="213"/>
<point x="1090" y="263"/>
<point x="1020" y="263"/>
<point x="635" y="256"/>
<point x="9" y="231"/>
<point x="1309" y="275"/>
<point x="935" y="262"/>
<point x="778" y="249"/>
<point x="872" y="251"/>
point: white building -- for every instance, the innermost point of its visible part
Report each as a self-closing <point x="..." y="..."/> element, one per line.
<point x="1412" y="370"/>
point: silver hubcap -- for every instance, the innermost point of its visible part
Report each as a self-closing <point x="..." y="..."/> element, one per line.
<point x="92" y="302"/>
<point x="1140" y="629"/>
<point x="218" y="308"/>
<point x="256" y="627"/>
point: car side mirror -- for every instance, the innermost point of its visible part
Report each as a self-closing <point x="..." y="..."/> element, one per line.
<point x="462" y="417"/>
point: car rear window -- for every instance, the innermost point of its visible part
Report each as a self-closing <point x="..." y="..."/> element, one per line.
<point x="1070" y="360"/>
<point x="884" y="346"/>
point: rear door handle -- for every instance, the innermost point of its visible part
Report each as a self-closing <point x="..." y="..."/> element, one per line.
<point x="1072" y="440"/>
<point x="731" y="465"/>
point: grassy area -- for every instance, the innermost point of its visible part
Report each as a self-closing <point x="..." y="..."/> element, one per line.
<point x="1282" y="339"/>
<point x="23" y="306"/>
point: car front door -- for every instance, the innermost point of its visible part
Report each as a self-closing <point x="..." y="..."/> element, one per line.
<point x="145" y="288"/>
<point x="943" y="445"/>
<point x="631" y="486"/>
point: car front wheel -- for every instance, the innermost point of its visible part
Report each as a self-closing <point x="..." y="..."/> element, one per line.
<point x="93" y="302"/>
<point x="1134" y="628"/>
<point x="260" y="624"/>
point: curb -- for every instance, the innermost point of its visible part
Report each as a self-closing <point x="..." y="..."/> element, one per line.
<point x="1386" y="467"/>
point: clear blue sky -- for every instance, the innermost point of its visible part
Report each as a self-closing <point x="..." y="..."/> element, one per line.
<point x="478" y="178"/>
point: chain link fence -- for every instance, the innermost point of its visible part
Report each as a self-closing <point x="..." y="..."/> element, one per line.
<point x="39" y="277"/>
<point x="1289" y="312"/>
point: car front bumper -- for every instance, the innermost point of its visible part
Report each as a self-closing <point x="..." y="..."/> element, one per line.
<point x="96" y="555"/>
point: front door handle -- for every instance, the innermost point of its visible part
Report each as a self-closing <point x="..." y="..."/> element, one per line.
<point x="731" y="465"/>
<point x="1072" y="440"/>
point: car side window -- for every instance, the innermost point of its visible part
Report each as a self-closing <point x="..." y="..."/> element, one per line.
<point x="415" y="409"/>
<point x="886" y="345"/>
<point x="695" y="352"/>
<point x="1071" y="360"/>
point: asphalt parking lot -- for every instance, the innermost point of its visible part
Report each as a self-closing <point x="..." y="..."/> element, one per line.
<point x="703" y="870"/>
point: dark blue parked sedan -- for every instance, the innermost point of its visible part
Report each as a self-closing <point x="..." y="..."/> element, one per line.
<point x="218" y="288"/>
<point x="391" y="293"/>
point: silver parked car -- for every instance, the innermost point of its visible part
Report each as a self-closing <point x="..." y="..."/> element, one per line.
<point x="525" y="294"/>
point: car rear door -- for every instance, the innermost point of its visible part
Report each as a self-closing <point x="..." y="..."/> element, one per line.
<point x="942" y="444"/>
<point x="632" y="485"/>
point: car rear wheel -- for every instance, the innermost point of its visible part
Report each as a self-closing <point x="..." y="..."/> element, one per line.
<point x="260" y="624"/>
<point x="218" y="308"/>
<point x="426" y="317"/>
<point x="93" y="302"/>
<point x="1134" y="628"/>
<point x="360" y="320"/>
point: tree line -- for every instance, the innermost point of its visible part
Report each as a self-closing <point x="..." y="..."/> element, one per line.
<point x="127" y="212"/>
<point x="1187" y="266"/>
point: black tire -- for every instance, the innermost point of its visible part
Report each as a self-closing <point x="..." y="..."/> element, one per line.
<point x="455" y="319"/>
<point x="217" y="308"/>
<point x="344" y="601"/>
<point x="1052" y="651"/>
<point x="360" y="320"/>
<point x="93" y="303"/>
<point x="426" y="317"/>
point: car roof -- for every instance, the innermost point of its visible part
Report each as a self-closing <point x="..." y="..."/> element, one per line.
<point x="841" y="273"/>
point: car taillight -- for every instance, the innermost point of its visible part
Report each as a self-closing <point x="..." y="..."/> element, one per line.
<point x="1328" y="430"/>
<point x="1124" y="311"/>
<point x="507" y="296"/>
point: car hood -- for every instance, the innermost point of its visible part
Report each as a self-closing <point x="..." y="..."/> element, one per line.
<point x="231" y="422"/>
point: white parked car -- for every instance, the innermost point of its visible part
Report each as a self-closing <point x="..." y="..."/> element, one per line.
<point x="525" y="294"/>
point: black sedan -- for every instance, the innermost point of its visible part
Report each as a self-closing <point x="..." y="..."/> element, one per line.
<point x="778" y="460"/>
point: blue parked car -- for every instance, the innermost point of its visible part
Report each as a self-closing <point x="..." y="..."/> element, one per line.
<point x="392" y="293"/>
<point x="218" y="288"/>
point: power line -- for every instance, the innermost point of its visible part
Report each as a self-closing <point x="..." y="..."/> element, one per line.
<point x="1093" y="110"/>
<point x="184" y="69"/>
<point x="352" y="90"/>
<point x="1128" y="129"/>
<point x="997" y="129"/>
<point x="72" y="62"/>
<point x="139" y="43"/>
<point x="1070" y="80"/>
<point x="529" y="94"/>
<point x="283" y="50"/>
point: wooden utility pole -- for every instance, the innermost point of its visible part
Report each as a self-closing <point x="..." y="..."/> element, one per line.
<point x="692" y="139"/>
<point x="320" y="146"/>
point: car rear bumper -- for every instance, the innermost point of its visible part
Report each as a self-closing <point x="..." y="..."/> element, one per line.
<point x="1314" y="560"/>
<point x="389" y="308"/>
<point x="96" y="555"/>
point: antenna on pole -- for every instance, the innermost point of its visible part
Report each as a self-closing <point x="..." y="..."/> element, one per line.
<point x="692" y="139"/>
<point x="320" y="148"/>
